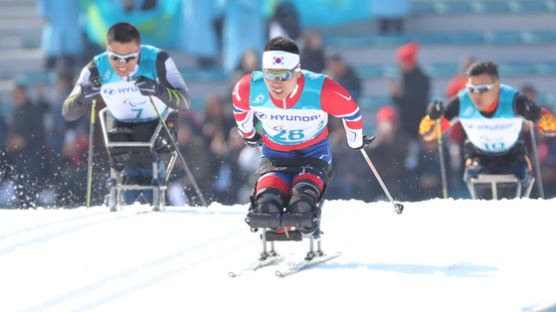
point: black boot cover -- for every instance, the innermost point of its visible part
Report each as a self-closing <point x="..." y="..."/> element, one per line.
<point x="302" y="211"/>
<point x="268" y="207"/>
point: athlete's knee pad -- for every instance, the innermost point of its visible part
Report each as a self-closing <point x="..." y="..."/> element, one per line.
<point x="270" y="200"/>
<point x="304" y="198"/>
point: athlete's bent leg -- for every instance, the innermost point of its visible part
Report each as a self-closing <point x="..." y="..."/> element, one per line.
<point x="472" y="169"/>
<point x="306" y="192"/>
<point x="271" y="193"/>
<point x="268" y="202"/>
<point x="302" y="207"/>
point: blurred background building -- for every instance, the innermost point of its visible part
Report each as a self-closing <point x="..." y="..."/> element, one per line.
<point x="44" y="44"/>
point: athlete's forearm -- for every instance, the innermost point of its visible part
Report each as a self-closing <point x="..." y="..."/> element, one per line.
<point x="173" y="90"/>
<point x="174" y="98"/>
<point x="74" y="105"/>
<point x="244" y="121"/>
<point x="242" y="110"/>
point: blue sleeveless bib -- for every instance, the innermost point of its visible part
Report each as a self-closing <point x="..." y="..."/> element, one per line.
<point x="123" y="99"/>
<point x="496" y="134"/>
<point x="304" y="121"/>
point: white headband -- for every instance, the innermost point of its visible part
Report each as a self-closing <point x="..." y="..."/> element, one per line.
<point x="280" y="60"/>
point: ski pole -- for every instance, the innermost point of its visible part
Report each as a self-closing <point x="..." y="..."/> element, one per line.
<point x="90" y="161"/>
<point x="185" y="167"/>
<point x="536" y="160"/>
<point x="397" y="206"/>
<point x="442" y="164"/>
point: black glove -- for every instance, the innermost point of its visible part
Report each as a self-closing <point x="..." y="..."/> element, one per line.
<point x="435" y="110"/>
<point x="148" y="86"/>
<point x="253" y="141"/>
<point x="91" y="89"/>
<point x="366" y="140"/>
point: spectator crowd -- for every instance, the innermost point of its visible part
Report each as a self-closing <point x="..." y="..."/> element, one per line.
<point x="44" y="157"/>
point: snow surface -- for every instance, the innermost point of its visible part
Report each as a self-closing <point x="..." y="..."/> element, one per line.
<point x="439" y="255"/>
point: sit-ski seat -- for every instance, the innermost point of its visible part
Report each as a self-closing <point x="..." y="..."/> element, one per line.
<point x="130" y="153"/>
<point x="295" y="221"/>
<point x="494" y="180"/>
<point x="286" y="226"/>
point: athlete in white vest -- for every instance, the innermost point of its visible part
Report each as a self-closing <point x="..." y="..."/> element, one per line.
<point x="492" y="116"/>
<point x="124" y="77"/>
<point x="292" y="106"/>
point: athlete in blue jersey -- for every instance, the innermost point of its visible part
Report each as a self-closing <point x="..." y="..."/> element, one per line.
<point x="292" y="106"/>
<point x="491" y="115"/>
<point x="124" y="77"/>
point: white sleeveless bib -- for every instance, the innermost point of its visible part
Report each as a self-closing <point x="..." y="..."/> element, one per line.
<point x="127" y="104"/>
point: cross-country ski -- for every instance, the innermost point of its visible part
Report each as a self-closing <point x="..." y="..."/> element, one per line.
<point x="305" y="264"/>
<point x="260" y="263"/>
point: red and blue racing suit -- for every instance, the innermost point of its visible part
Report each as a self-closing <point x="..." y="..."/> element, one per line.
<point x="296" y="126"/>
